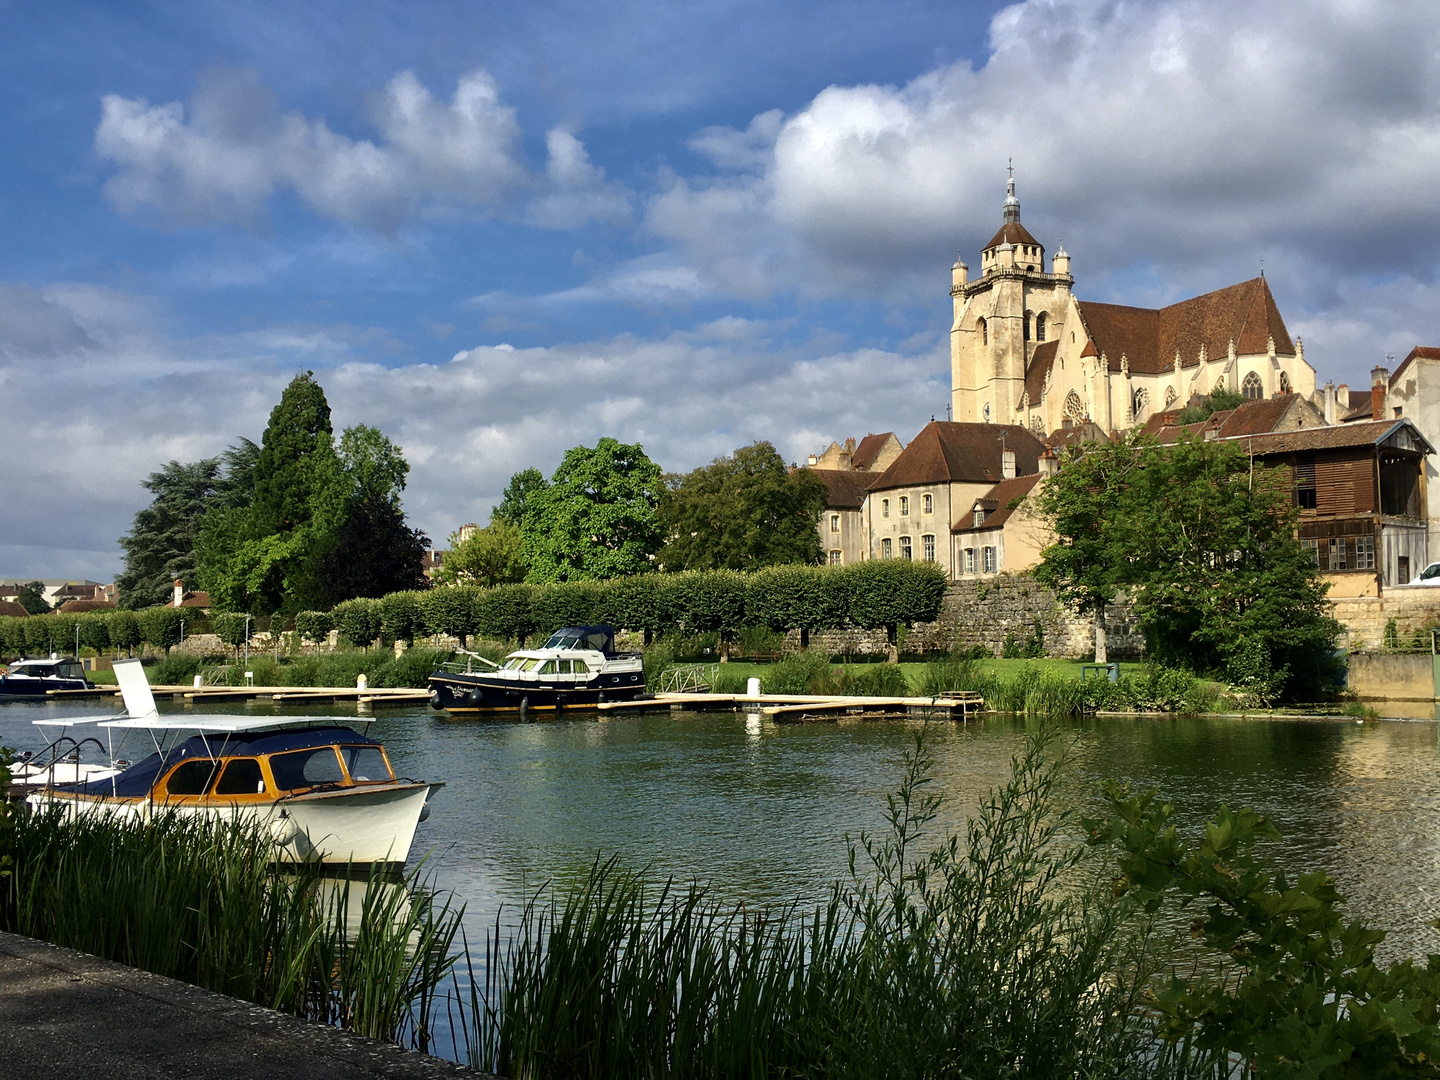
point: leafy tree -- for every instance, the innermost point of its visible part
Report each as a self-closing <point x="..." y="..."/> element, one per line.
<point x="516" y="499"/>
<point x="32" y="598"/>
<point x="358" y="621"/>
<point x="505" y="612"/>
<point x="451" y="609"/>
<point x="123" y="629"/>
<point x="742" y="512"/>
<point x="314" y="625"/>
<point x="804" y="598"/>
<point x="488" y="556"/>
<point x="232" y="628"/>
<point x="892" y="593"/>
<point x="1220" y="400"/>
<point x="1205" y="541"/>
<point x="596" y="518"/>
<point x="95" y="631"/>
<point x="401" y="617"/>
<point x="266" y="556"/>
<point x="160" y="626"/>
<point x="565" y="603"/>
<point x="160" y="545"/>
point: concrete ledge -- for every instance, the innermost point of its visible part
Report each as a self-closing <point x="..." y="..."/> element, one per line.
<point x="65" y="1014"/>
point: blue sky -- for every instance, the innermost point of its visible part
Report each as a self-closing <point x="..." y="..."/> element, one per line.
<point x="499" y="230"/>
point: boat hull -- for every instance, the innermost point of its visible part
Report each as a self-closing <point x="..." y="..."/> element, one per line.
<point x="370" y="825"/>
<point x="480" y="693"/>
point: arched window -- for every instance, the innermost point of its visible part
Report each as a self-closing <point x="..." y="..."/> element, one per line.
<point x="986" y="412"/>
<point x="1284" y="383"/>
<point x="1138" y="402"/>
<point x="1251" y="389"/>
<point x="984" y="332"/>
<point x="1028" y="317"/>
<point x="1040" y="327"/>
<point x="1170" y="396"/>
<point x="1074" y="407"/>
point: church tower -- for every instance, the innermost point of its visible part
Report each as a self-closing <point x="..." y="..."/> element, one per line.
<point x="1012" y="307"/>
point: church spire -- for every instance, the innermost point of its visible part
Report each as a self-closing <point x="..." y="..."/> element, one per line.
<point x="1012" y="204"/>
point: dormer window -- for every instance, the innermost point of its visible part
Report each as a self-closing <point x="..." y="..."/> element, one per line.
<point x="979" y="517"/>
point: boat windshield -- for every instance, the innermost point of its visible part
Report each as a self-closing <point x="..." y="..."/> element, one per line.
<point x="306" y="768"/>
<point x="565" y="639"/>
<point x="513" y="663"/>
<point x="366" y="764"/>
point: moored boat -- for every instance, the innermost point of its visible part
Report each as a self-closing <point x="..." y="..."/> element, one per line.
<point x="578" y="666"/>
<point x="325" y="792"/>
<point x="36" y="678"/>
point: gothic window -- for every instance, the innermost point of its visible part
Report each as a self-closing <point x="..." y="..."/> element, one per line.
<point x="984" y="332"/>
<point x="1139" y="401"/>
<point x="1074" y="407"/>
<point x="1028" y="317"/>
<point x="1284" y="383"/>
<point x="1037" y="424"/>
<point x="1170" y="396"/>
<point x="1251" y="389"/>
<point x="1040" y="327"/>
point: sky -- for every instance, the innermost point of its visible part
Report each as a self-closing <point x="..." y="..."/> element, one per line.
<point x="496" y="231"/>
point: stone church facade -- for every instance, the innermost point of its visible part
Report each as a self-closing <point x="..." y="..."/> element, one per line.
<point x="1025" y="350"/>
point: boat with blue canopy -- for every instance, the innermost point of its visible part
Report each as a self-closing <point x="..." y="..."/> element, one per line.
<point x="325" y="792"/>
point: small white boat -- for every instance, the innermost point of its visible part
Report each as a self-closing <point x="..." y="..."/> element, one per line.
<point x="326" y="793"/>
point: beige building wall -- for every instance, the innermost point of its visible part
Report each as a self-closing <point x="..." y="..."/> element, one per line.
<point x="842" y="531"/>
<point x="1416" y="393"/>
<point x="888" y="517"/>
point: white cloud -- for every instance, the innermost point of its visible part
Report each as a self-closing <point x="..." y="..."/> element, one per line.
<point x="1175" y="133"/>
<point x="223" y="161"/>
<point x="577" y="191"/>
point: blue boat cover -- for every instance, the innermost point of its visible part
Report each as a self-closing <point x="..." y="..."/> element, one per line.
<point x="600" y="638"/>
<point x="138" y="779"/>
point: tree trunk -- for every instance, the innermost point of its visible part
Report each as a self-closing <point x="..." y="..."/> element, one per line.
<point x="1102" y="654"/>
<point x="724" y="648"/>
<point x="892" y="637"/>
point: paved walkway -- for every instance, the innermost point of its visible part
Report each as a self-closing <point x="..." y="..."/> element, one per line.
<point x="65" y="1014"/>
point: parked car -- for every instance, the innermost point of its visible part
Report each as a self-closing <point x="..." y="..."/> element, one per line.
<point x="1429" y="578"/>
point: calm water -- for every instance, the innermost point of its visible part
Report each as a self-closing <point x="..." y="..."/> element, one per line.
<point x="761" y="811"/>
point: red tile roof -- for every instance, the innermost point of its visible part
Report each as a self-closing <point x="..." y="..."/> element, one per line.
<point x="1366" y="433"/>
<point x="869" y="449"/>
<point x="73" y="607"/>
<point x="1419" y="352"/>
<point x="997" y="500"/>
<point x="1253" y="417"/>
<point x="1149" y="338"/>
<point x="946" y="451"/>
<point x="13" y="609"/>
<point x="846" y="488"/>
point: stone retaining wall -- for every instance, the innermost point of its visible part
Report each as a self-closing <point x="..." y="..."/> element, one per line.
<point x="986" y="613"/>
<point x="1365" y="617"/>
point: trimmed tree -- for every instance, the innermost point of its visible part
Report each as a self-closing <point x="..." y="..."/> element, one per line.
<point x="892" y="593"/>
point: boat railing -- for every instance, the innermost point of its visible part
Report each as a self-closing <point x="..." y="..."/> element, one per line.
<point x="689" y="678"/>
<point x="456" y="667"/>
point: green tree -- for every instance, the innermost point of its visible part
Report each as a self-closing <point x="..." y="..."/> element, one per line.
<point x="160" y="545"/>
<point x="515" y="501"/>
<point x="742" y="512"/>
<point x="596" y="518"/>
<point x="891" y="593"/>
<point x="266" y="557"/>
<point x="488" y="556"/>
<point x="32" y="598"/>
<point x="1220" y="400"/>
<point x="1204" y="540"/>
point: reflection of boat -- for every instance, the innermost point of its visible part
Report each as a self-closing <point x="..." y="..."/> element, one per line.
<point x="577" y="666"/>
<point x="35" y="678"/>
<point x="326" y="793"/>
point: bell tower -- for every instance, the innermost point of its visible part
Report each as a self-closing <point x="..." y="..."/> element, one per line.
<point x="1000" y="317"/>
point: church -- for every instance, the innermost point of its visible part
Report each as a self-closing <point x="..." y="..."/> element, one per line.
<point x="1025" y="350"/>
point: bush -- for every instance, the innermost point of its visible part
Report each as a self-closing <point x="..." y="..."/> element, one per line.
<point x="875" y="680"/>
<point x="160" y="626"/>
<point x="177" y="669"/>
<point x="231" y="627"/>
<point x="358" y="621"/>
<point x="123" y="629"/>
<point x="312" y="625"/>
<point x="95" y="631"/>
<point x="453" y="610"/>
<point x="796" y="674"/>
<point x="504" y="612"/>
<point x="658" y="657"/>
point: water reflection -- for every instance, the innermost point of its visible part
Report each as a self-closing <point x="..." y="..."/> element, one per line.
<point x="761" y="812"/>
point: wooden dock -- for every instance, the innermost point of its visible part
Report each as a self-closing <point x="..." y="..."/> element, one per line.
<point x="800" y="708"/>
<point x="279" y="695"/>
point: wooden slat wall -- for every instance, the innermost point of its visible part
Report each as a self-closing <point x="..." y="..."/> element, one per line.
<point x="1335" y="486"/>
<point x="1363" y="483"/>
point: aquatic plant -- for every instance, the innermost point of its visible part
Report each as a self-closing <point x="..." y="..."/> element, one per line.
<point x="198" y="899"/>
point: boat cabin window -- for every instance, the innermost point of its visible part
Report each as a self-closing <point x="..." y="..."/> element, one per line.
<point x="192" y="777"/>
<point x="70" y="671"/>
<point x="306" y="768"/>
<point x="563" y="666"/>
<point x="366" y="764"/>
<point x="512" y="663"/>
<point x="581" y="668"/>
<point x="530" y="664"/>
<point x="241" y="777"/>
<point x="547" y="668"/>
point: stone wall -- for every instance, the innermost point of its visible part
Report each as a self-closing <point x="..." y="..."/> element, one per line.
<point x="1405" y="676"/>
<point x="1365" y="617"/>
<point x="985" y="613"/>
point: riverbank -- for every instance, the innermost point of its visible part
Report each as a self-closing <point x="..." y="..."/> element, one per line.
<point x="65" y="1013"/>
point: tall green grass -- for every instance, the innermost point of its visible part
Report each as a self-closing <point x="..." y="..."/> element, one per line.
<point x="1001" y="953"/>
<point x="1036" y="691"/>
<point x="197" y="899"/>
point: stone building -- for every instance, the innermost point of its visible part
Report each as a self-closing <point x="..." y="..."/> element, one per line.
<point x="846" y="470"/>
<point x="1412" y="392"/>
<point x="997" y="535"/>
<point x="873" y="453"/>
<point x="1025" y="350"/>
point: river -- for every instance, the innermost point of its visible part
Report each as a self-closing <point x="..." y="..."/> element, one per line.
<point x="761" y="811"/>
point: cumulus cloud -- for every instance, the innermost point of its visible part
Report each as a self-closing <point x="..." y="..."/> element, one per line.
<point x="222" y="159"/>
<point x="1171" y="133"/>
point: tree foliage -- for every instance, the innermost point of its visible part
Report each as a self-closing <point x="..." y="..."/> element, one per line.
<point x="742" y="512"/>
<point x="515" y="502"/>
<point x="1204" y="540"/>
<point x="160" y="546"/>
<point x="488" y="556"/>
<point x="596" y="518"/>
<point x="32" y="598"/>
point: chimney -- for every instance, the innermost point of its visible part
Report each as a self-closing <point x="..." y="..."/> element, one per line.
<point x="179" y="593"/>
<point x="812" y="460"/>
<point x="1379" y="379"/>
<point x="1331" y="403"/>
<point x="1049" y="461"/>
<point x="1007" y="468"/>
<point x="1342" y="396"/>
<point x="850" y="445"/>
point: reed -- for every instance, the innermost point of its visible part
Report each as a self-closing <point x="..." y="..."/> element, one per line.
<point x="197" y="899"/>
<point x="999" y="953"/>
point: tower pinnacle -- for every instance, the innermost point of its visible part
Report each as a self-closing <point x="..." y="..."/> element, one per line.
<point x="1012" y="204"/>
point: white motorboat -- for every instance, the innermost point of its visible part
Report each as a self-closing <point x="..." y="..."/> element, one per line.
<point x="326" y="793"/>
